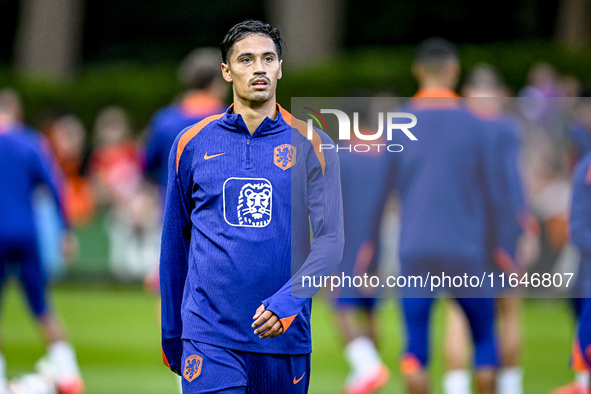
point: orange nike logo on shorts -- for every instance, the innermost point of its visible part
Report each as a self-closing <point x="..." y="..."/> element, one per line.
<point x="206" y="157"/>
<point x="296" y="381"/>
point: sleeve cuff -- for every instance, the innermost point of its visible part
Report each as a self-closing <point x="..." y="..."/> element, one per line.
<point x="172" y="353"/>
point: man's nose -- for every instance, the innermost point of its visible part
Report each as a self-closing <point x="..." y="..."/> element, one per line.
<point x="259" y="66"/>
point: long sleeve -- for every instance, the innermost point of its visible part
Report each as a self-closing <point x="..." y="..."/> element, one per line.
<point x="504" y="193"/>
<point x="176" y="237"/>
<point x="325" y="210"/>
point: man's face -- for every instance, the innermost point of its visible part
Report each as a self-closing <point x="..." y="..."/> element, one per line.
<point x="253" y="68"/>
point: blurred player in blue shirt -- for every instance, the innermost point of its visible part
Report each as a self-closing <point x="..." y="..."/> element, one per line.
<point x="22" y="168"/>
<point x="485" y="92"/>
<point x="47" y="219"/>
<point x="449" y="184"/>
<point x="244" y="187"/>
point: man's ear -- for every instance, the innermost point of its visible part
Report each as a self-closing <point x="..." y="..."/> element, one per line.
<point x="280" y="73"/>
<point x="226" y="72"/>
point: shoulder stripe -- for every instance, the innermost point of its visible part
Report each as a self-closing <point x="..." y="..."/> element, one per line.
<point x="189" y="134"/>
<point x="302" y="127"/>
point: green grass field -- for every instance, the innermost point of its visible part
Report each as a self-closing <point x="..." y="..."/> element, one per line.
<point x="116" y="335"/>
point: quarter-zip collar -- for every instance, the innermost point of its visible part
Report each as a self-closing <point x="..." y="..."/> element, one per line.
<point x="267" y="126"/>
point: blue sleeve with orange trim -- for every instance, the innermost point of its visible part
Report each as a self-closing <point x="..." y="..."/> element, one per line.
<point x="173" y="262"/>
<point x="325" y="209"/>
<point x="508" y="210"/>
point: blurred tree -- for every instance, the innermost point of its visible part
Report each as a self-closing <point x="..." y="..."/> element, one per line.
<point x="8" y="21"/>
<point x="48" y="37"/>
<point x="159" y="31"/>
<point x="572" y="24"/>
<point x="312" y="29"/>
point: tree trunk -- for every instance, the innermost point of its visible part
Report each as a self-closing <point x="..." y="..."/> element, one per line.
<point x="312" y="29"/>
<point x="572" y="23"/>
<point x="48" y="37"/>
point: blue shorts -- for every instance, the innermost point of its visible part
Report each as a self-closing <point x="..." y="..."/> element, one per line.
<point x="212" y="369"/>
<point x="22" y="258"/>
<point x="481" y="317"/>
<point x="367" y="304"/>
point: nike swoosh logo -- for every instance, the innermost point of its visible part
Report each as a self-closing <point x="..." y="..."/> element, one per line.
<point x="296" y="381"/>
<point x="206" y="157"/>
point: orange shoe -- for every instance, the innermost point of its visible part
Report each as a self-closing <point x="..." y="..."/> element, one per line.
<point x="370" y="382"/>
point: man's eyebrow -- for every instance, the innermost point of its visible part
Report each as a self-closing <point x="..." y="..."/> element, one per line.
<point x="252" y="54"/>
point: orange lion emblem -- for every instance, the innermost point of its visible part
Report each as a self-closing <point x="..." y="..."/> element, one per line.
<point x="284" y="156"/>
<point x="192" y="367"/>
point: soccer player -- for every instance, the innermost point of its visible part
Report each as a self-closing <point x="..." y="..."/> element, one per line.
<point x="364" y="197"/>
<point x="46" y="215"/>
<point x="485" y="91"/>
<point x="244" y="188"/>
<point x="448" y="182"/>
<point x="22" y="168"/>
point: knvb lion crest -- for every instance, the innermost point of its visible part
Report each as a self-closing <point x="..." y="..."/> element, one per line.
<point x="192" y="367"/>
<point x="284" y="156"/>
<point x="254" y="204"/>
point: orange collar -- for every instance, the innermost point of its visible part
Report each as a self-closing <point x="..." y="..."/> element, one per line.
<point x="436" y="92"/>
<point x="435" y="98"/>
<point x="200" y="103"/>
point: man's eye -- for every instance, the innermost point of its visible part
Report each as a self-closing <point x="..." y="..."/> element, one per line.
<point x="245" y="60"/>
<point x="269" y="58"/>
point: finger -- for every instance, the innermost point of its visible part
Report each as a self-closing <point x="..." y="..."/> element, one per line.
<point x="278" y="330"/>
<point x="270" y="323"/>
<point x="262" y="318"/>
<point x="259" y="311"/>
<point x="266" y="324"/>
<point x="274" y="331"/>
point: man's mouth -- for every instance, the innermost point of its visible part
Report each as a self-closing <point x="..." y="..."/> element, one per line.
<point x="260" y="83"/>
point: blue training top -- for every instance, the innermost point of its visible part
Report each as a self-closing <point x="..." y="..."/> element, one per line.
<point x="237" y="228"/>
<point x="453" y="184"/>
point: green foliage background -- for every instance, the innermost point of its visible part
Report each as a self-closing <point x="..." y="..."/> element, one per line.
<point x="143" y="88"/>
